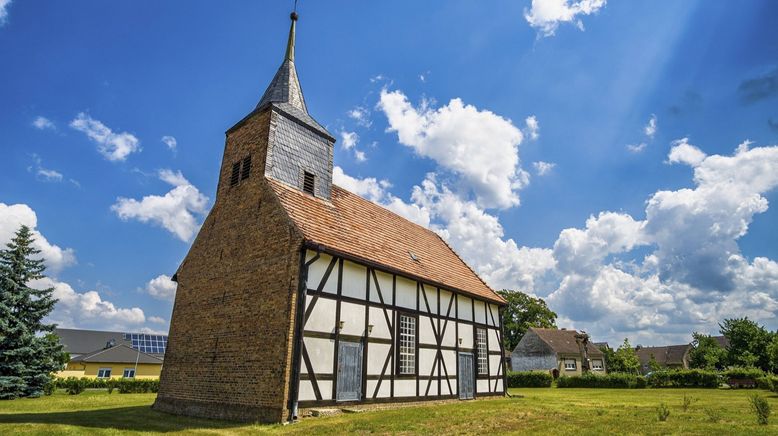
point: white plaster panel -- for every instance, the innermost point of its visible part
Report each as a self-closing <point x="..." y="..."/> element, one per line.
<point x="449" y="334"/>
<point x="426" y="334"/>
<point x="325" y="389"/>
<point x="383" y="391"/>
<point x="354" y="280"/>
<point x="353" y="316"/>
<point x="494" y="342"/>
<point x="380" y="328"/>
<point x="432" y="298"/>
<point x="499" y="386"/>
<point x="445" y="299"/>
<point x="466" y="334"/>
<point x="385" y="283"/>
<point x="376" y="357"/>
<point x="406" y="293"/>
<point x="453" y="382"/>
<point x="465" y="308"/>
<point x="444" y="387"/>
<point x="480" y="311"/>
<point x="482" y="386"/>
<point x="405" y="388"/>
<point x="306" y="391"/>
<point x="322" y="317"/>
<point x="433" y="388"/>
<point x="316" y="272"/>
<point x="321" y="353"/>
<point x="495" y="313"/>
<point x="450" y="359"/>
<point x="426" y="357"/>
<point x="494" y="365"/>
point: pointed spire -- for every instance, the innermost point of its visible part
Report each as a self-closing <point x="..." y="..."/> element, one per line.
<point x="285" y="86"/>
<point x="290" y="43"/>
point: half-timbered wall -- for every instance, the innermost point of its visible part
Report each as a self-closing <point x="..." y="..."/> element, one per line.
<point x="367" y="303"/>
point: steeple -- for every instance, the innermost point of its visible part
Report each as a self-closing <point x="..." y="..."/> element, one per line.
<point x="285" y="86"/>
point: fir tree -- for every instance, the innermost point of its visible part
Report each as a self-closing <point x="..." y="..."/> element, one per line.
<point x="29" y="350"/>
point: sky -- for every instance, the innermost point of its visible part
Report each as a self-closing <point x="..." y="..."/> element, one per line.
<point x="617" y="159"/>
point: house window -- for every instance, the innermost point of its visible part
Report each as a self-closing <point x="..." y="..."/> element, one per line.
<point x="235" y="178"/>
<point x="244" y="173"/>
<point x="104" y="373"/>
<point x="570" y="365"/>
<point x="129" y="373"/>
<point x="597" y="365"/>
<point x="309" y="183"/>
<point x="482" y="351"/>
<point x="407" y="348"/>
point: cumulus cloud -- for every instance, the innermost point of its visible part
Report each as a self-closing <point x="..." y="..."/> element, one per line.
<point x="543" y="168"/>
<point x="546" y="15"/>
<point x="171" y="142"/>
<point x="650" y="128"/>
<point x="41" y="123"/>
<point x="175" y="211"/>
<point x="361" y="115"/>
<point x="113" y="146"/>
<point x="683" y="152"/>
<point x="162" y="288"/>
<point x="15" y="215"/>
<point x="348" y="140"/>
<point x="4" y="11"/>
<point x="477" y="145"/>
<point x="532" y="129"/>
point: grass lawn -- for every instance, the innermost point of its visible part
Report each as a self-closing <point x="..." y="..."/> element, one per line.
<point x="538" y="411"/>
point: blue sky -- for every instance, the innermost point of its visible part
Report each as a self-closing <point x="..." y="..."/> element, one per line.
<point x="627" y="230"/>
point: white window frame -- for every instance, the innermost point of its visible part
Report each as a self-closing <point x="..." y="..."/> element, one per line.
<point x="482" y="351"/>
<point x="128" y="370"/>
<point x="569" y="367"/>
<point x="406" y="344"/>
<point x="597" y="365"/>
<point x="101" y="372"/>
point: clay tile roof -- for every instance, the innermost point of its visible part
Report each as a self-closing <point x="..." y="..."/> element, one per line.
<point x="563" y="341"/>
<point x="355" y="227"/>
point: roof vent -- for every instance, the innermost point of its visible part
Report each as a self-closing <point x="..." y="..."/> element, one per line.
<point x="414" y="257"/>
<point x="111" y="343"/>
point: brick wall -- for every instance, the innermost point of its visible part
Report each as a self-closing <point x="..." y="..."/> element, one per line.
<point x="230" y="345"/>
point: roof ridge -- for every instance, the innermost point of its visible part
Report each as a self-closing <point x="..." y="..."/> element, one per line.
<point x="478" y="276"/>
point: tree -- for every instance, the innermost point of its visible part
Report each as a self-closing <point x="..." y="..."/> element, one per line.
<point x="30" y="351"/>
<point x="653" y="365"/>
<point x="706" y="353"/>
<point x="772" y="352"/>
<point x="747" y="343"/>
<point x="624" y="359"/>
<point x="523" y="312"/>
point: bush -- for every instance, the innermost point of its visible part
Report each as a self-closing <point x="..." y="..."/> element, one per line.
<point x="744" y="373"/>
<point x="74" y="386"/>
<point x="714" y="415"/>
<point x="134" y="386"/>
<point x="662" y="412"/>
<point x="628" y="381"/>
<point x="529" y="379"/>
<point x="761" y="408"/>
<point x="684" y="378"/>
<point x="768" y="382"/>
<point x="50" y="387"/>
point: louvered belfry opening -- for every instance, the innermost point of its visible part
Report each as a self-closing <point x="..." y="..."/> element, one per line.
<point x="246" y="171"/>
<point x="235" y="178"/>
<point x="309" y="183"/>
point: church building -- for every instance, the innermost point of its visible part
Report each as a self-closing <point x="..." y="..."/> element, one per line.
<point x="297" y="293"/>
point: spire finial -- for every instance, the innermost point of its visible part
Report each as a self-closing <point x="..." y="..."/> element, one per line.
<point x="290" y="43"/>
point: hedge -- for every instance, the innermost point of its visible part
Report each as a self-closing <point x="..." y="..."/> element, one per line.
<point x="75" y="386"/>
<point x="743" y="373"/>
<point x="768" y="382"/>
<point x="529" y="379"/>
<point x="684" y="378"/>
<point x="625" y="381"/>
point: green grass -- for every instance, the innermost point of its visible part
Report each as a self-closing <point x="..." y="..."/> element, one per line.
<point x="538" y="411"/>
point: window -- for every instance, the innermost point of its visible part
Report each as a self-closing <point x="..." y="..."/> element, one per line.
<point x="407" y="349"/>
<point x="244" y="173"/>
<point x="129" y="373"/>
<point x="309" y="183"/>
<point x="597" y="365"/>
<point x="235" y="174"/>
<point x="104" y="373"/>
<point x="482" y="351"/>
<point x="570" y="365"/>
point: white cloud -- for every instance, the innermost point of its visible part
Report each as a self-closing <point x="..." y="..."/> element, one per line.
<point x="683" y="152"/>
<point x="15" y="215"/>
<point x="360" y="155"/>
<point x="175" y="211"/>
<point x="87" y="309"/>
<point x="478" y="145"/>
<point x="348" y="140"/>
<point x="532" y="129"/>
<point x="361" y="115"/>
<point x="650" y="128"/>
<point x="162" y="288"/>
<point x="44" y="174"/>
<point x="636" y="148"/>
<point x="40" y="123"/>
<point x="113" y="146"/>
<point x="4" y="11"/>
<point x="545" y="15"/>
<point x="543" y="168"/>
<point x="170" y="142"/>
<point x="157" y="320"/>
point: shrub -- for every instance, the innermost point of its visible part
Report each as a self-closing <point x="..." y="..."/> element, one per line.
<point x="684" y="378"/>
<point x="768" y="382"/>
<point x="662" y="412"/>
<point x="74" y="386"/>
<point x="50" y="387"/>
<point x="744" y="373"/>
<point x="134" y="386"/>
<point x="529" y="379"/>
<point x="761" y="408"/>
<point x="714" y="415"/>
<point x="687" y="402"/>
<point x="602" y="381"/>
<point x="110" y="385"/>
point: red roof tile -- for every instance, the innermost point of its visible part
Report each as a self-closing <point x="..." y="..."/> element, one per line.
<point x="357" y="227"/>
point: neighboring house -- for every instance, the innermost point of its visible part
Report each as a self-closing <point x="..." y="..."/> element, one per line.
<point x="670" y="356"/>
<point x="108" y="354"/>
<point x="563" y="352"/>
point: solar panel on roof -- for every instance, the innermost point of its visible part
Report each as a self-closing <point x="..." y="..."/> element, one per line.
<point x="147" y="343"/>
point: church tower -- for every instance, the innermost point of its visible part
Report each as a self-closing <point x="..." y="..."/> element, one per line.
<point x="231" y="332"/>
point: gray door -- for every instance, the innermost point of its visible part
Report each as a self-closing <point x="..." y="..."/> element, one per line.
<point x="349" y="372"/>
<point x="466" y="385"/>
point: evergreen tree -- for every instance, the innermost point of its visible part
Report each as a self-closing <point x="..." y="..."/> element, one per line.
<point x="30" y="351"/>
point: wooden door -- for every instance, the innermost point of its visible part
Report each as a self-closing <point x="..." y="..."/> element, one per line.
<point x="349" y="372"/>
<point x="465" y="377"/>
